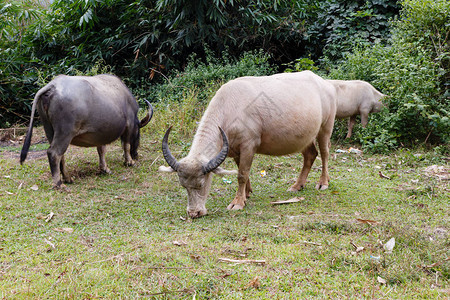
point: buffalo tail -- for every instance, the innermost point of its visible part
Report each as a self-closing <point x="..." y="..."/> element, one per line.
<point x="27" y="142"/>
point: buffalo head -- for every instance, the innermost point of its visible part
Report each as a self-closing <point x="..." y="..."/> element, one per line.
<point x="194" y="173"/>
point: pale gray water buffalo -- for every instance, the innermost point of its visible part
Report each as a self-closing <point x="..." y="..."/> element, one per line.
<point x="86" y="111"/>
<point x="356" y="97"/>
<point x="273" y="115"/>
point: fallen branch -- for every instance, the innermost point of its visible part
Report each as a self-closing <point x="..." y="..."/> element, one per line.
<point x="171" y="292"/>
<point x="293" y="200"/>
<point x="437" y="263"/>
<point x="312" y="243"/>
<point x="169" y="268"/>
<point x="243" y="261"/>
<point x="370" y="222"/>
<point x="383" y="176"/>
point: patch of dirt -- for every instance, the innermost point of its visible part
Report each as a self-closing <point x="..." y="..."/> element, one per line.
<point x="440" y="172"/>
<point x="14" y="138"/>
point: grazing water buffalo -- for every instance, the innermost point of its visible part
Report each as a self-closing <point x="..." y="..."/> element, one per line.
<point x="356" y="97"/>
<point x="272" y="115"/>
<point x="87" y="112"/>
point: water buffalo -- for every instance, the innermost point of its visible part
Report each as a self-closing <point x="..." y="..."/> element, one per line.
<point x="272" y="115"/>
<point x="356" y="97"/>
<point x="86" y="111"/>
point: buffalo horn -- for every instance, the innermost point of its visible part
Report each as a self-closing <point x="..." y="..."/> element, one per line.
<point x="148" y="117"/>
<point x="170" y="159"/>
<point x="216" y="161"/>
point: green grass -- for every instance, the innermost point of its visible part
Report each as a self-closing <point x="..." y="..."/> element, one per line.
<point x="126" y="226"/>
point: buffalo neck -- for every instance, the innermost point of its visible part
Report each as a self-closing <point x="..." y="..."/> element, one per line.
<point x="207" y="140"/>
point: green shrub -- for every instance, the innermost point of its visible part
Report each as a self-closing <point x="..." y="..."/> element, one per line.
<point x="206" y="77"/>
<point x="17" y="68"/>
<point x="409" y="72"/>
<point x="337" y="26"/>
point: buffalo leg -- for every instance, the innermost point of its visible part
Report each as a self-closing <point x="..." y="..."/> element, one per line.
<point x="101" y="159"/>
<point x="248" y="187"/>
<point x="126" y="153"/>
<point x="56" y="160"/>
<point x="245" y="163"/>
<point x="65" y="174"/>
<point x="309" y="155"/>
<point x="351" y="123"/>
<point x="364" y="118"/>
<point x="324" y="144"/>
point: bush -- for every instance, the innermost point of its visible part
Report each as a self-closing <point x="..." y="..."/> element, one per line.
<point x="411" y="71"/>
<point x="17" y="72"/>
<point x="206" y="77"/>
<point x="337" y="26"/>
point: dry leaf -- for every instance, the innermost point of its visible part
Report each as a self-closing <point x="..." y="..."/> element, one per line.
<point x="49" y="243"/>
<point x="49" y="217"/>
<point x="381" y="280"/>
<point x="293" y="200"/>
<point x="383" y="176"/>
<point x="177" y="243"/>
<point x="34" y="188"/>
<point x="370" y="222"/>
<point x="64" y="229"/>
<point x="255" y="283"/>
<point x="357" y="249"/>
<point x="389" y="246"/>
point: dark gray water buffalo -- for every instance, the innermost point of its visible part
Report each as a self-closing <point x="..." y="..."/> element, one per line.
<point x="272" y="115"/>
<point x="86" y="111"/>
<point x="356" y="97"/>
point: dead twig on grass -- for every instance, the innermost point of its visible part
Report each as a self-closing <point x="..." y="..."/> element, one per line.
<point x="188" y="291"/>
<point x="243" y="261"/>
<point x="293" y="200"/>
<point x="312" y="243"/>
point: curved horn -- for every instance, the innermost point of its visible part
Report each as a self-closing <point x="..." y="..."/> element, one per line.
<point x="148" y="117"/>
<point x="216" y="161"/>
<point x="170" y="159"/>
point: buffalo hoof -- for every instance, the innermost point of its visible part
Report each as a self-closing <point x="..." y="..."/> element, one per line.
<point x="295" y="189"/>
<point x="62" y="188"/>
<point x="129" y="163"/>
<point x="233" y="206"/>
<point x="196" y="214"/>
<point x="105" y="171"/>
<point x="321" y="187"/>
<point x="68" y="180"/>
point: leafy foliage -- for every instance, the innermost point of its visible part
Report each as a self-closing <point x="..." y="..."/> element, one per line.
<point x="412" y="72"/>
<point x="205" y="77"/>
<point x="338" y="26"/>
<point x="17" y="68"/>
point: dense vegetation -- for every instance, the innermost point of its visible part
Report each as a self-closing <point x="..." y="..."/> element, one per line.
<point x="163" y="49"/>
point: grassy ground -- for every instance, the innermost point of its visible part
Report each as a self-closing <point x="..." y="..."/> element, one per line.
<point x="126" y="235"/>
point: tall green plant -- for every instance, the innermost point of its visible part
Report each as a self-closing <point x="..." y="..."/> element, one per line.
<point x="410" y="71"/>
<point x="17" y="74"/>
<point x="204" y="78"/>
<point x="337" y="26"/>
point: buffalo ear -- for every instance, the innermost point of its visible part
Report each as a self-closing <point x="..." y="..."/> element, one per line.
<point x="164" y="169"/>
<point x="221" y="171"/>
